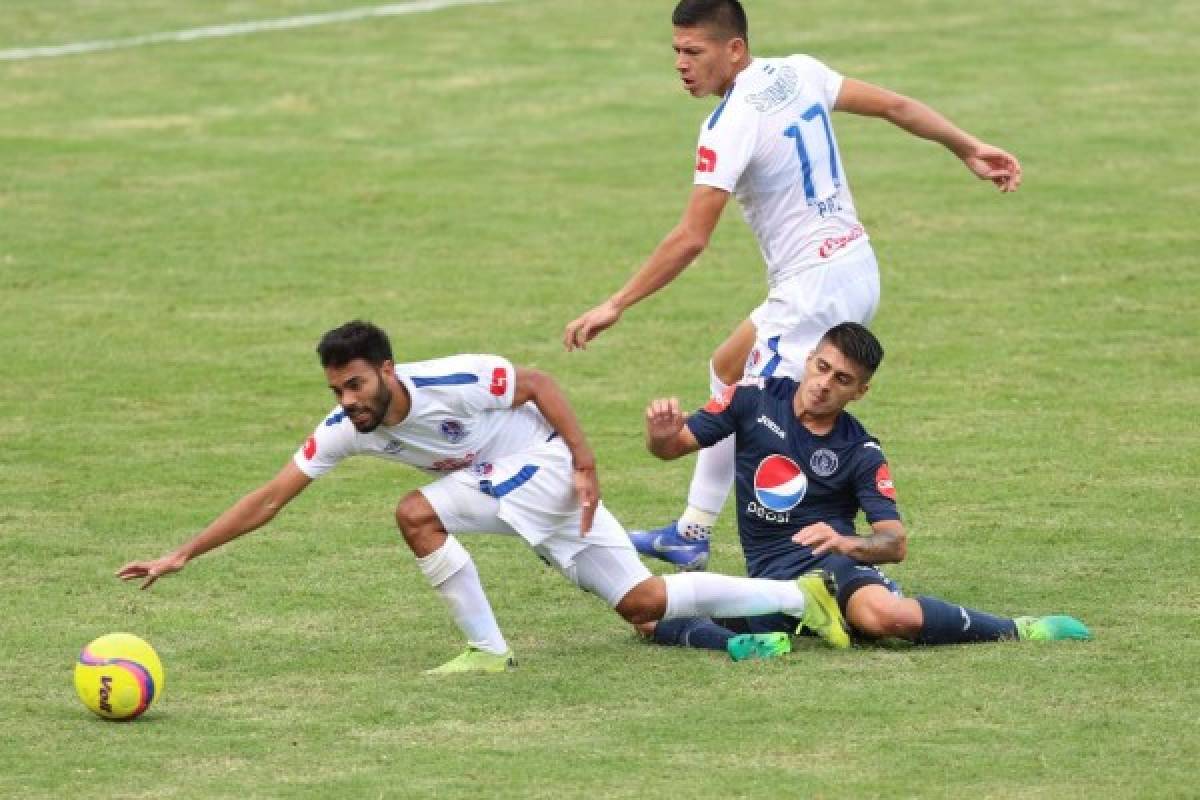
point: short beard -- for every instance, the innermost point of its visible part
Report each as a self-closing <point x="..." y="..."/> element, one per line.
<point x="382" y="401"/>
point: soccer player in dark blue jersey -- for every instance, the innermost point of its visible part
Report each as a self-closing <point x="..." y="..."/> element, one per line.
<point x="805" y="467"/>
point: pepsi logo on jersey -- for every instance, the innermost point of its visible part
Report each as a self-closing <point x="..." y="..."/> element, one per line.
<point x="779" y="483"/>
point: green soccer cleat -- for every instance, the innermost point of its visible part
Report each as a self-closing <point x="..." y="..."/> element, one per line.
<point x="475" y="660"/>
<point x="758" y="645"/>
<point x="821" y="613"/>
<point x="1051" y="629"/>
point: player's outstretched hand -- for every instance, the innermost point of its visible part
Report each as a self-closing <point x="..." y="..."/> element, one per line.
<point x="587" y="489"/>
<point x="588" y="326"/>
<point x="664" y="418"/>
<point x="151" y="570"/>
<point x="996" y="165"/>
<point x="822" y="539"/>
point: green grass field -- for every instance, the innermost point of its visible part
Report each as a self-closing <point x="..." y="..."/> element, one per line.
<point x="180" y="222"/>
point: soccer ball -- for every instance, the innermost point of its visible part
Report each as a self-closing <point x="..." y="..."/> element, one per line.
<point x="118" y="676"/>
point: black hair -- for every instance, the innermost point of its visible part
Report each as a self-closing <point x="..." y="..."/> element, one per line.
<point x="856" y="343"/>
<point x="726" y="16"/>
<point x="355" y="339"/>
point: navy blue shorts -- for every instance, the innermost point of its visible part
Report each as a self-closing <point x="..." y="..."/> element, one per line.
<point x="851" y="575"/>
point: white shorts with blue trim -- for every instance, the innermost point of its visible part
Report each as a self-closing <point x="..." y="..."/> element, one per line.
<point x="799" y="310"/>
<point x="532" y="495"/>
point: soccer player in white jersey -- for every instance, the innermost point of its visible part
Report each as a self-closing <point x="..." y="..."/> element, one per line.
<point x="511" y="459"/>
<point x="770" y="142"/>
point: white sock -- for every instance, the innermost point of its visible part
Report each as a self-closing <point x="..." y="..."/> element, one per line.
<point x="452" y="573"/>
<point x="708" y="594"/>
<point x="713" y="475"/>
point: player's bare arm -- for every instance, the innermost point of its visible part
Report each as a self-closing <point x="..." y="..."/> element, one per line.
<point x="540" y="389"/>
<point x="678" y="249"/>
<point x="984" y="160"/>
<point x="887" y="544"/>
<point x="667" y="436"/>
<point x="249" y="513"/>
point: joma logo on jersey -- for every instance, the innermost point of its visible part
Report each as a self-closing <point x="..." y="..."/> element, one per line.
<point x="777" y="94"/>
<point x="772" y="426"/>
<point x="706" y="160"/>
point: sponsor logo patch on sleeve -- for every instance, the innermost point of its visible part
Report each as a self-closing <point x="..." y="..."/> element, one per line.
<point x="883" y="482"/>
<point x="499" y="383"/>
<point x="706" y="160"/>
<point x="310" y="448"/>
<point x="719" y="404"/>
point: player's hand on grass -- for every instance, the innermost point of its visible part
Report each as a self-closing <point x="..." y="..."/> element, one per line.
<point x="823" y="539"/>
<point x="151" y="570"/>
<point x="584" y="328"/>
<point x="996" y="165"/>
<point x="587" y="489"/>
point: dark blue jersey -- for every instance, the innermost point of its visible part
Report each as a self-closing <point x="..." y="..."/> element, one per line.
<point x="789" y="477"/>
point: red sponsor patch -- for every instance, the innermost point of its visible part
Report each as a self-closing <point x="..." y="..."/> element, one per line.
<point x="310" y="448"/>
<point x="883" y="482"/>
<point x="499" y="382"/>
<point x="706" y="160"/>
<point x="719" y="404"/>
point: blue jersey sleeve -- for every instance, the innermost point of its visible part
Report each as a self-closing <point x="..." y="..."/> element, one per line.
<point x="719" y="418"/>
<point x="873" y="485"/>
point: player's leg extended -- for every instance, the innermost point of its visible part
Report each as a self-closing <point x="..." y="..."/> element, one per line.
<point x="685" y="542"/>
<point x="616" y="575"/>
<point x="877" y="612"/>
<point x="449" y="568"/>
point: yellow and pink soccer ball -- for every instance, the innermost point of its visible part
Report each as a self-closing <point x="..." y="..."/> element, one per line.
<point x="118" y="676"/>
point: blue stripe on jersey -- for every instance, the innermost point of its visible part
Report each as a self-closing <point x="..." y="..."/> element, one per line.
<point x="456" y="379"/>
<point x="334" y="419"/>
<point x="515" y="482"/>
<point x="773" y="364"/>
<point x="716" y="115"/>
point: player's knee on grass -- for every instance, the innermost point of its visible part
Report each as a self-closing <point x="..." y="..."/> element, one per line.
<point x="874" y="611"/>
<point x="419" y="524"/>
<point x="644" y="603"/>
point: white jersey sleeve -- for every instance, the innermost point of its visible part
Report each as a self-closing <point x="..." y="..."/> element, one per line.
<point x="495" y="384"/>
<point x="827" y="81"/>
<point x="332" y="441"/>
<point x="727" y="143"/>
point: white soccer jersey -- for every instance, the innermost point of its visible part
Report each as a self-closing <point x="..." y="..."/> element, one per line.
<point x="770" y="142"/>
<point x="461" y="415"/>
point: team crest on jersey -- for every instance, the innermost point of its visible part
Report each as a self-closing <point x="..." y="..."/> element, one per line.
<point x="482" y="469"/>
<point x="453" y="430"/>
<point x="779" y="483"/>
<point x="753" y="359"/>
<point x="824" y="462"/>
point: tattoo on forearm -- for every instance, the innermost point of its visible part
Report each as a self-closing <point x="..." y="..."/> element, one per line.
<point x="878" y="548"/>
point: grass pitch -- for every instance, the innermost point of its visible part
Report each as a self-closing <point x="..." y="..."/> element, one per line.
<point x="180" y="222"/>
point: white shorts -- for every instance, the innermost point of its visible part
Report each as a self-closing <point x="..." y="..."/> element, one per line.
<point x="532" y="495"/>
<point x="799" y="310"/>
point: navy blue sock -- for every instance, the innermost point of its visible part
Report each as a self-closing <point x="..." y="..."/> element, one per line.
<point x="700" y="632"/>
<point x="946" y="623"/>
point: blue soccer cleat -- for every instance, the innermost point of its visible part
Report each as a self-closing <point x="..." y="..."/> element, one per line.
<point x="666" y="544"/>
